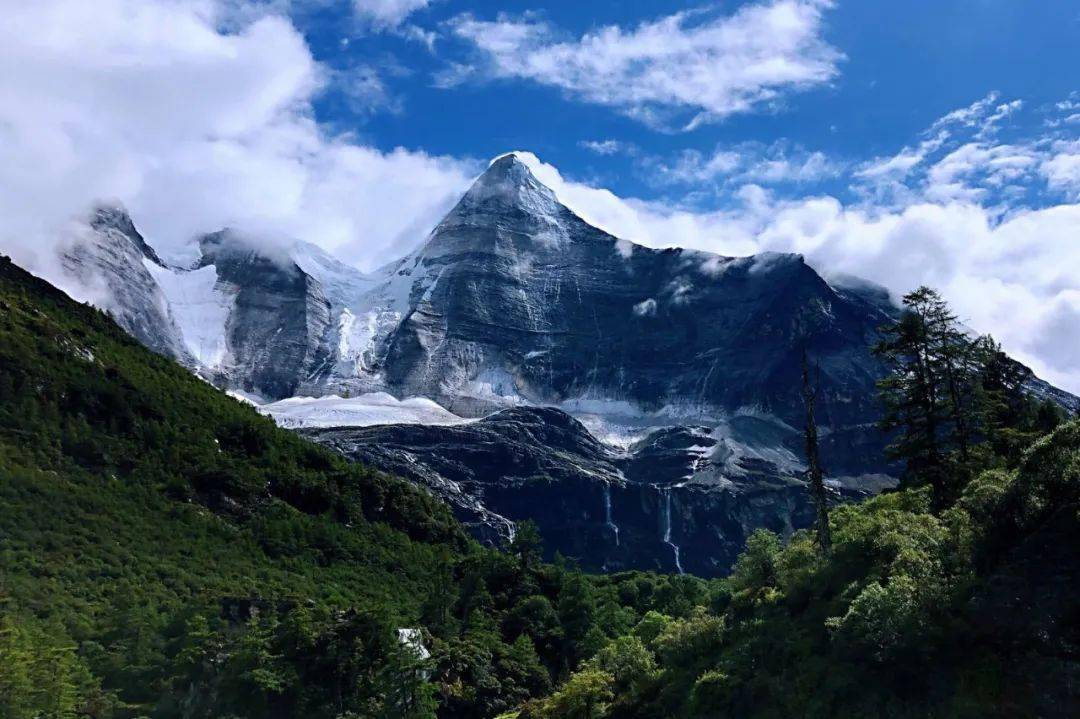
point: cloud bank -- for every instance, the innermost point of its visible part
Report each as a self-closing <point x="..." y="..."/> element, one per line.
<point x="690" y="67"/>
<point x="193" y="124"/>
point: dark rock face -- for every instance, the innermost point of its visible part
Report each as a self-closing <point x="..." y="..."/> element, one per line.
<point x="677" y="500"/>
<point x="276" y="330"/>
<point x="110" y="263"/>
<point x="1043" y="390"/>
<point x="518" y="290"/>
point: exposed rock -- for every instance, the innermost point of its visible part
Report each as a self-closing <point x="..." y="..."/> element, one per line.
<point x="679" y="499"/>
<point x="277" y="330"/>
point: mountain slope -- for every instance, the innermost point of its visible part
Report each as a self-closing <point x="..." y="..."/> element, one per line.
<point x="114" y="264"/>
<point x="514" y="297"/>
<point x="166" y="551"/>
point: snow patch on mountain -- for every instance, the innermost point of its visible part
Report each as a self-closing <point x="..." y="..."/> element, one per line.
<point x="200" y="308"/>
<point x="368" y="409"/>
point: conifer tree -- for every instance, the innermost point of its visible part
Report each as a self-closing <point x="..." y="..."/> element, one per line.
<point x="527" y="544"/>
<point x="813" y="461"/>
<point x="928" y="391"/>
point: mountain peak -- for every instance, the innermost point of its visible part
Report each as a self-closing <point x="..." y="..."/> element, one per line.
<point x="509" y="183"/>
<point x="107" y="217"/>
<point x="509" y="166"/>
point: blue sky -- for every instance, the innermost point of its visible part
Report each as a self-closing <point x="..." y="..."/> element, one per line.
<point x="906" y="143"/>
<point x="903" y="66"/>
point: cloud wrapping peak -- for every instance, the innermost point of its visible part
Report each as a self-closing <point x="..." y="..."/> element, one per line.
<point x="690" y="67"/>
<point x="192" y="127"/>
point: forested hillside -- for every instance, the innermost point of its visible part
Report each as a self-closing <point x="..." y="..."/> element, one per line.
<point x="167" y="552"/>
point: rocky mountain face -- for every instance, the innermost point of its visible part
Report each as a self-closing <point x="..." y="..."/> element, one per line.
<point x="113" y="263"/>
<point x="679" y="499"/>
<point x="278" y="326"/>
<point x="642" y="405"/>
<point x="516" y="298"/>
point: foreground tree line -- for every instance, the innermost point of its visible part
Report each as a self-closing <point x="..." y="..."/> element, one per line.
<point x="953" y="596"/>
<point x="166" y="552"/>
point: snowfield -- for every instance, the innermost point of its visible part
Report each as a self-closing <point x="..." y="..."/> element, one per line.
<point x="360" y="411"/>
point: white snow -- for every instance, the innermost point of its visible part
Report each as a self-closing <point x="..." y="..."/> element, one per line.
<point x="246" y="397"/>
<point x="360" y="411"/>
<point x="494" y="385"/>
<point x="199" y="307"/>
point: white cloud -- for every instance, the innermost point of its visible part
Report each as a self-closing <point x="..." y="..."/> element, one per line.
<point x="897" y="167"/>
<point x="810" y="168"/>
<point x="992" y="165"/>
<point x="742" y="163"/>
<point x="1062" y="169"/>
<point x="366" y="91"/>
<point x="689" y="66"/>
<point x="387" y="13"/>
<point x="604" y="147"/>
<point x="693" y="167"/>
<point x="992" y="123"/>
<point x="151" y="103"/>
<point x="970" y="116"/>
<point x="960" y="158"/>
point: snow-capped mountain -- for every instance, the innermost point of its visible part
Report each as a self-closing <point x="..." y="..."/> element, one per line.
<point x="682" y="368"/>
<point x="512" y="299"/>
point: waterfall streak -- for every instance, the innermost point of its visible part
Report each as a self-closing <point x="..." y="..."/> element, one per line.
<point x="666" y="493"/>
<point x="607" y="513"/>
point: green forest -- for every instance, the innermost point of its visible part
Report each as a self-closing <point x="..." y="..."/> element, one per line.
<point x="167" y="552"/>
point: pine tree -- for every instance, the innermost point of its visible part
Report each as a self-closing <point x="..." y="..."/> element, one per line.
<point x="813" y="461"/>
<point x="576" y="608"/>
<point x="527" y="544"/>
<point x="17" y="687"/>
<point x="928" y="391"/>
<point x="403" y="683"/>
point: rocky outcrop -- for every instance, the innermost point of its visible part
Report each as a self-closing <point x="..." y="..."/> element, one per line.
<point x="277" y="330"/>
<point x="678" y="499"/>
